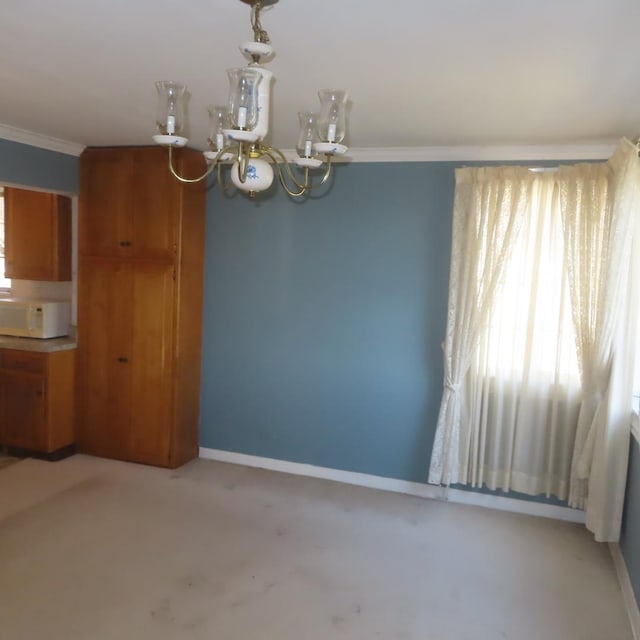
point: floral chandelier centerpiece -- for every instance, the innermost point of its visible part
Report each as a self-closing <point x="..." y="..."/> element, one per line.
<point x="237" y="130"/>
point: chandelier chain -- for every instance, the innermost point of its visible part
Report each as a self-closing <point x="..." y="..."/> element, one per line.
<point x="259" y="34"/>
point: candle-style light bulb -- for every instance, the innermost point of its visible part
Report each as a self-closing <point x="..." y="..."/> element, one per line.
<point x="332" y="120"/>
<point x="307" y="135"/>
<point x="243" y="97"/>
<point x="170" y="116"/>
<point x="219" y="121"/>
<point x="334" y="116"/>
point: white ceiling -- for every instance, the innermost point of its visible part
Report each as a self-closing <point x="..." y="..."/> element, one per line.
<point x="419" y="73"/>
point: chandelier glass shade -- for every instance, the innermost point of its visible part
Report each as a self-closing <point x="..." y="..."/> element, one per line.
<point x="238" y="129"/>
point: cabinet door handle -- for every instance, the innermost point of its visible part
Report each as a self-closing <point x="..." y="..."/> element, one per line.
<point x="125" y="243"/>
<point x="122" y="359"/>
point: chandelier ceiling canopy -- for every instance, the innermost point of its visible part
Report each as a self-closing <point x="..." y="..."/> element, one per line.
<point x="238" y="129"/>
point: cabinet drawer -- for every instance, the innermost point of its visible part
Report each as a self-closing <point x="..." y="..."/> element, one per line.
<point x="31" y="361"/>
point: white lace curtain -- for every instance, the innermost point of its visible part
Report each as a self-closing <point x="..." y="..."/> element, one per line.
<point x="599" y="205"/>
<point x="537" y="259"/>
<point x="489" y="208"/>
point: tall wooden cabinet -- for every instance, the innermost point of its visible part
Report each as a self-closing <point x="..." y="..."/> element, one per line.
<point x="141" y="249"/>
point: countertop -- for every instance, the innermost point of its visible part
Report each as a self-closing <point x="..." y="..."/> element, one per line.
<point x="47" y="345"/>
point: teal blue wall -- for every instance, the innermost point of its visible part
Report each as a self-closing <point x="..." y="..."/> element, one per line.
<point x="22" y="164"/>
<point x="323" y="320"/>
<point x="630" y="539"/>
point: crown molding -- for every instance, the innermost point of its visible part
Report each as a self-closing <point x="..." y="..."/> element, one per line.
<point x="34" y="139"/>
<point x="504" y="153"/>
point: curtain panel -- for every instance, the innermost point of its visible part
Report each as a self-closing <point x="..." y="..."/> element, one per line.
<point x="599" y="203"/>
<point x="489" y="209"/>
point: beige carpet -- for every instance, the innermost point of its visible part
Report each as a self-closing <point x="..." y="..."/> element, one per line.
<point x="5" y="461"/>
<point x="100" y="550"/>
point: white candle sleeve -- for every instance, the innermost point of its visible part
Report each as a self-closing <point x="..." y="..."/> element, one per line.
<point x="242" y="117"/>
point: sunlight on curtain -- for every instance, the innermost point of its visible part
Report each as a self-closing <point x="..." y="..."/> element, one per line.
<point x="488" y="211"/>
<point x="523" y="385"/>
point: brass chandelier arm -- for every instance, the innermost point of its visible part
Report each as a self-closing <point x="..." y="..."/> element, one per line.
<point x="283" y="182"/>
<point x="271" y="152"/>
<point x="176" y="175"/>
<point x="281" y="160"/>
<point x="243" y="163"/>
<point x="327" y="172"/>
<point x="307" y="184"/>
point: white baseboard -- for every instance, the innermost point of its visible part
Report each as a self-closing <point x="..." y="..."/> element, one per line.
<point x="419" y="489"/>
<point x="514" y="505"/>
<point x="627" y="589"/>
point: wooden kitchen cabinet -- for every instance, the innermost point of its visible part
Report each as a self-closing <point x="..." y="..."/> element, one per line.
<point x="132" y="200"/>
<point x="127" y="361"/>
<point x="139" y="307"/>
<point x="37" y="235"/>
<point x="37" y="400"/>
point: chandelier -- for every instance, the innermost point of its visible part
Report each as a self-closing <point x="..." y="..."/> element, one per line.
<point x="238" y="130"/>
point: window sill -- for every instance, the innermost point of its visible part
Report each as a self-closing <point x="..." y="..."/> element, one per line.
<point x="635" y="427"/>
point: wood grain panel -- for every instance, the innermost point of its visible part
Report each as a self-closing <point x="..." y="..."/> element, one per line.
<point x="155" y="204"/>
<point x="37" y="235"/>
<point x="104" y="350"/>
<point x="23" y="403"/>
<point x="106" y="181"/>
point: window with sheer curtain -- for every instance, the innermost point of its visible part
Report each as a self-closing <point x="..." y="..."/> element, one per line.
<point x="542" y="330"/>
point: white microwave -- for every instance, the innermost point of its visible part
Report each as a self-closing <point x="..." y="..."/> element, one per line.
<point x="34" y="318"/>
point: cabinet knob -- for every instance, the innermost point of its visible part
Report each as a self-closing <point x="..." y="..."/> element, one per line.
<point x="123" y="359"/>
<point x="124" y="243"/>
